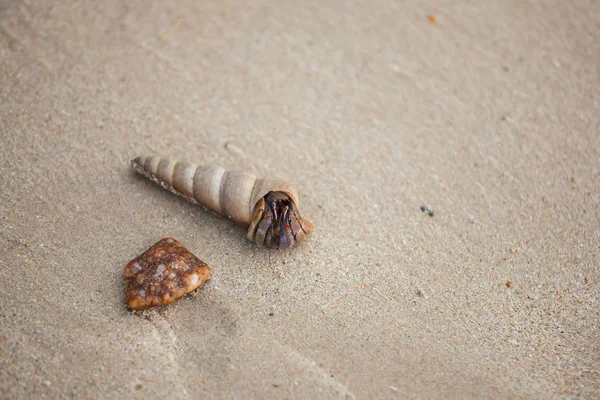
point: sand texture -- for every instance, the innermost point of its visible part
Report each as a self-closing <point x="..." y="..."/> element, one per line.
<point x="485" y="112"/>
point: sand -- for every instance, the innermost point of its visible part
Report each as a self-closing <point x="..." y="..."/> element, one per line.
<point x="489" y="116"/>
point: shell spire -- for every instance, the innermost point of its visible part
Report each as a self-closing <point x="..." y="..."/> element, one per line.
<point x="268" y="207"/>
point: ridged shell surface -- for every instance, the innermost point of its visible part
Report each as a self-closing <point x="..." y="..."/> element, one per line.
<point x="229" y="193"/>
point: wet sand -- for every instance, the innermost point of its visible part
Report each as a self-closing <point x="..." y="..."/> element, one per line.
<point x="487" y="115"/>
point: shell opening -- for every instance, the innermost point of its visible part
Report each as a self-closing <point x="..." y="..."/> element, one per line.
<point x="277" y="223"/>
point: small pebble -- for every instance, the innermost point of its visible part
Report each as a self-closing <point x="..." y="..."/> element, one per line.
<point x="233" y="148"/>
<point x="426" y="209"/>
<point x="162" y="274"/>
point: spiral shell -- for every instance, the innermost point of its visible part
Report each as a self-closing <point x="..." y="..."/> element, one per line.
<point x="268" y="206"/>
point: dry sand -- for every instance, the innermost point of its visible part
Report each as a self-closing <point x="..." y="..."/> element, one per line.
<point x="490" y="117"/>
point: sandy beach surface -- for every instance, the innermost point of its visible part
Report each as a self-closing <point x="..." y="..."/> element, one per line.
<point x="487" y="113"/>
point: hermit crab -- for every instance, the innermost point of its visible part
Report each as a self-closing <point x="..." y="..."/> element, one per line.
<point x="268" y="207"/>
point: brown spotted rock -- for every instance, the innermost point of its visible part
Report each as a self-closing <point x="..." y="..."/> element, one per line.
<point x="163" y="273"/>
